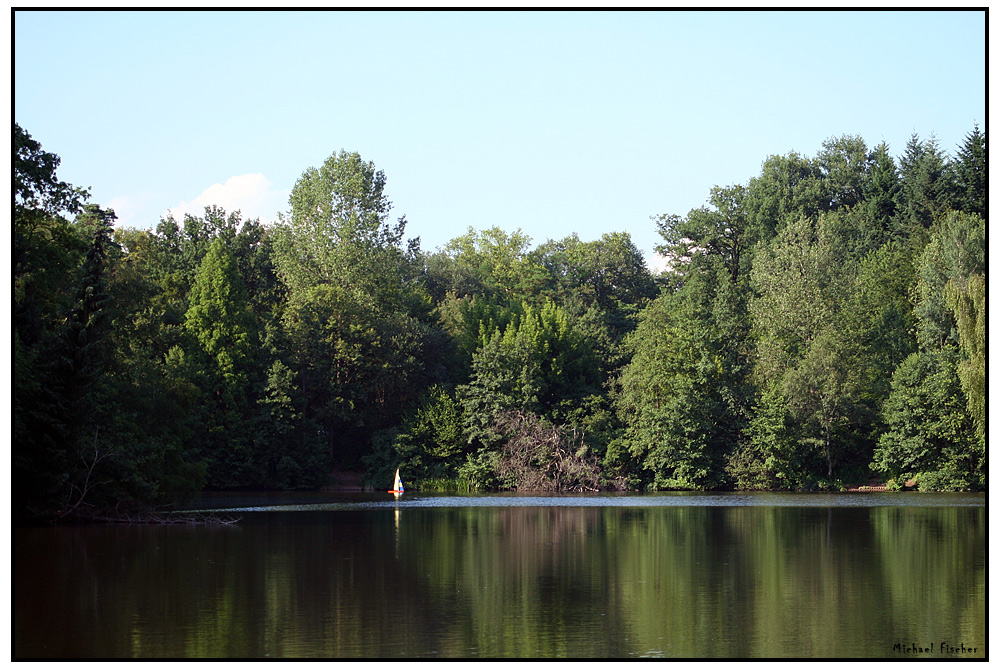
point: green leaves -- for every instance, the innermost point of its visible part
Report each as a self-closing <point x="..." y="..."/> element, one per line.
<point x="936" y="413"/>
<point x="225" y="344"/>
<point x="219" y="316"/>
<point x="538" y="364"/>
<point x="721" y="232"/>
<point x="970" y="173"/>
<point x="967" y="299"/>
<point x="955" y="251"/>
<point x="343" y="200"/>
<point x="431" y="442"/>
<point x="881" y="190"/>
<point x="609" y="274"/>
<point x="929" y="428"/>
<point x="681" y="397"/>
<point x="338" y="232"/>
<point x="498" y="260"/>
<point x="35" y="184"/>
<point x="928" y="185"/>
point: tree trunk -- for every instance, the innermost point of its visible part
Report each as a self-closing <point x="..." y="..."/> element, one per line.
<point x="829" y="461"/>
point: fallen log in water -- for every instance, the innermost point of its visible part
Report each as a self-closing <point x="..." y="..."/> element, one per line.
<point x="168" y="519"/>
<point x="153" y="517"/>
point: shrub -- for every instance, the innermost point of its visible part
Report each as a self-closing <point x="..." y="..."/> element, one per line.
<point x="538" y="456"/>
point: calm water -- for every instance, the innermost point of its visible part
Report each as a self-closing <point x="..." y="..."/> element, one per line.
<point x="500" y="576"/>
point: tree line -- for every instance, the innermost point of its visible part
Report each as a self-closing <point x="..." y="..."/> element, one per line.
<point x="821" y="324"/>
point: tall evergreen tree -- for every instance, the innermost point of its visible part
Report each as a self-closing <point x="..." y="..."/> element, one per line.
<point x="88" y="322"/>
<point x="881" y="192"/>
<point x="970" y="174"/>
<point x="927" y="186"/>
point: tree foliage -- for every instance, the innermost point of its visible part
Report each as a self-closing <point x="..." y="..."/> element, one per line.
<point x="821" y="324"/>
<point x="682" y="396"/>
<point x="967" y="299"/>
<point x="935" y="412"/>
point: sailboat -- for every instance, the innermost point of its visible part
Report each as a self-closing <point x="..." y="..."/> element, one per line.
<point x="397" y="486"/>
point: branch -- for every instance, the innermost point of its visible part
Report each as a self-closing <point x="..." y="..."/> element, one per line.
<point x="87" y="484"/>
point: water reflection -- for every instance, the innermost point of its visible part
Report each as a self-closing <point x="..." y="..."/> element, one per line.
<point x="414" y="579"/>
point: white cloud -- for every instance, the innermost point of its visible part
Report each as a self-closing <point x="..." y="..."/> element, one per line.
<point x="251" y="194"/>
<point x="657" y="263"/>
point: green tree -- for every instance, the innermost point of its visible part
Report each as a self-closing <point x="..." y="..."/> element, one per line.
<point x="37" y="190"/>
<point x="771" y="456"/>
<point x="539" y="364"/>
<point x="498" y="260"/>
<point x="338" y="232"/>
<point x="88" y="321"/>
<point x="682" y="396"/>
<point x="357" y="318"/>
<point x="431" y="443"/>
<point x="967" y="299"/>
<point x="881" y="192"/>
<point x="720" y="231"/>
<point x="219" y="317"/>
<point x="47" y="249"/>
<point x="470" y="322"/>
<point x="80" y="366"/>
<point x="788" y="187"/>
<point x="927" y="186"/>
<point x="956" y="250"/>
<point x="970" y="172"/>
<point x="821" y="390"/>
<point x="333" y="339"/>
<point x="932" y="429"/>
<point x="844" y="164"/>
<point x="288" y="450"/>
<point x="358" y="370"/>
<point x="664" y="432"/>
<point x="147" y="413"/>
<point x="609" y="274"/>
<point x="930" y="435"/>
<point x="880" y="322"/>
<point x="225" y="341"/>
<point x="48" y="253"/>
<point x="803" y="355"/>
<point x="445" y="275"/>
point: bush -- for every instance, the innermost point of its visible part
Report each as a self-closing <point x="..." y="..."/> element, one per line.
<point x="477" y="473"/>
<point x="946" y="479"/>
<point x="537" y="456"/>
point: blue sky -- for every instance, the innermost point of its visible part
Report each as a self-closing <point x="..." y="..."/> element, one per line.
<point x="554" y="123"/>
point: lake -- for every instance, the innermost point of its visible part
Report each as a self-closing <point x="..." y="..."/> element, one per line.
<point x="664" y="575"/>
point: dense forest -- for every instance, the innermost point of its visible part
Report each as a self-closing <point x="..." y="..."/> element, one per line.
<point x="820" y="325"/>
